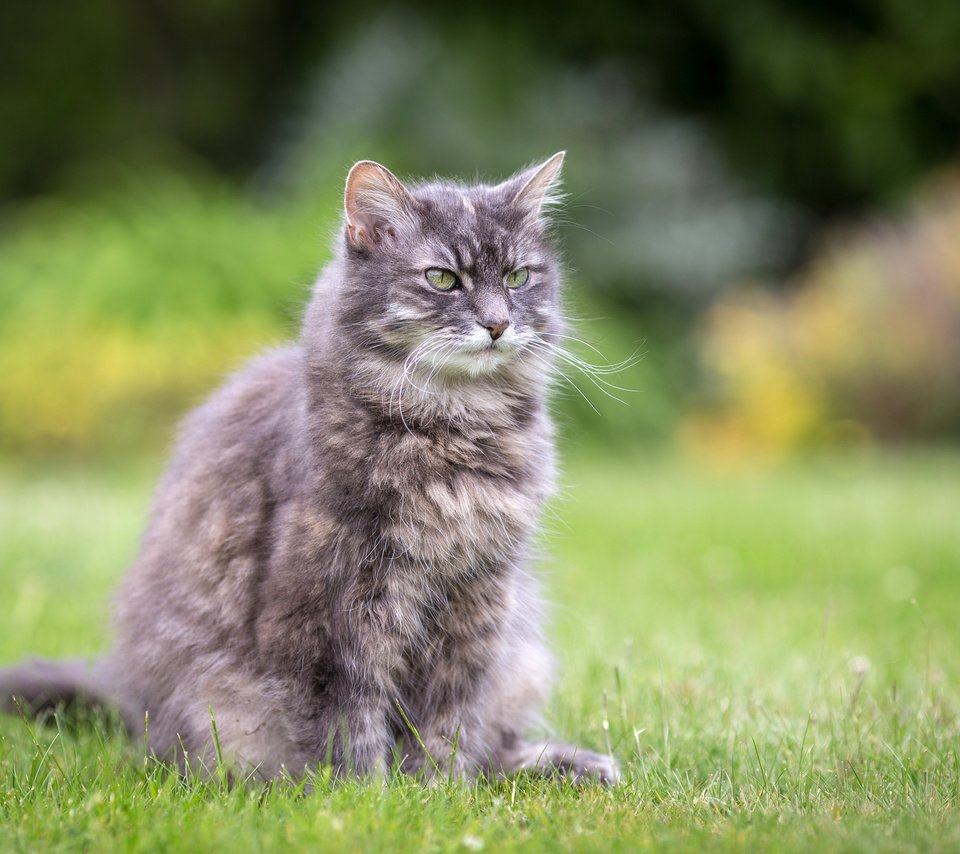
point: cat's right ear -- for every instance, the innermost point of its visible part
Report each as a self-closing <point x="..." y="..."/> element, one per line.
<point x="377" y="205"/>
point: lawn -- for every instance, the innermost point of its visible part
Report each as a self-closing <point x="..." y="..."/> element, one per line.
<point x="772" y="656"/>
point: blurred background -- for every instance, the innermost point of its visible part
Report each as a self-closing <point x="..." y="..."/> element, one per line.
<point x="764" y="199"/>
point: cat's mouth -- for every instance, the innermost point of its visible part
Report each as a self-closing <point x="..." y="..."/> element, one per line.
<point x="490" y="350"/>
<point x="473" y="359"/>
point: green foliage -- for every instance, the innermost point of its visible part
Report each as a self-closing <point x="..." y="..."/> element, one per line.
<point x="116" y="314"/>
<point x="97" y="81"/>
<point x="828" y="104"/>
<point x="724" y="627"/>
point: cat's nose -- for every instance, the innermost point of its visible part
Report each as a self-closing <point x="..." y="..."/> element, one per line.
<point x="495" y="328"/>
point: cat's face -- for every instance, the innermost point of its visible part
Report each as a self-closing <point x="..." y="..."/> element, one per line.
<point x="450" y="279"/>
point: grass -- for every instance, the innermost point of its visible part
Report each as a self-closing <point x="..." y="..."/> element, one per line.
<point x="773" y="657"/>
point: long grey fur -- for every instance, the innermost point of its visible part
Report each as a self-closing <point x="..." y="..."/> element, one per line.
<point x="340" y="546"/>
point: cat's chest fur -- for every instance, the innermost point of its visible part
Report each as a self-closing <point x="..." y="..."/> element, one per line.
<point x="415" y="538"/>
<point x="460" y="501"/>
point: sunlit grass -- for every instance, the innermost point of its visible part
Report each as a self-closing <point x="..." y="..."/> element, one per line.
<point x="773" y="657"/>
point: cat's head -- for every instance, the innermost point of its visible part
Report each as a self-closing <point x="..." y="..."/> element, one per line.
<point x="455" y="279"/>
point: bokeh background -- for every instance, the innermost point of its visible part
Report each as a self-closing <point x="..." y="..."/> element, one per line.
<point x="764" y="198"/>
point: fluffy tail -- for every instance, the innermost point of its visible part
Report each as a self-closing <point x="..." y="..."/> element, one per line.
<point x="39" y="685"/>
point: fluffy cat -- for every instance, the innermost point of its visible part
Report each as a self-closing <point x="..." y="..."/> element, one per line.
<point x="345" y="526"/>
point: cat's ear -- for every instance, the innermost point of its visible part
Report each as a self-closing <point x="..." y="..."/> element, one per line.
<point x="376" y="203"/>
<point x="536" y="189"/>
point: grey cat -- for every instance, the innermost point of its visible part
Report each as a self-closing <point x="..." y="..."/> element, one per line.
<point x="339" y="549"/>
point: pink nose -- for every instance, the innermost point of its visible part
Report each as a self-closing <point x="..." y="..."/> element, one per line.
<point x="495" y="329"/>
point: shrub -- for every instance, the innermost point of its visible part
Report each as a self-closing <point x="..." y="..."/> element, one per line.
<point x="865" y="343"/>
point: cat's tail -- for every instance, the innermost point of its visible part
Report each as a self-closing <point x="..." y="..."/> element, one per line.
<point x="40" y="685"/>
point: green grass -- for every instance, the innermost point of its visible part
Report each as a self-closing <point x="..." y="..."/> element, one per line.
<point x="777" y="655"/>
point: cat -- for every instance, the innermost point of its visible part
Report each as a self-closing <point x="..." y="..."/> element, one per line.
<point x="339" y="551"/>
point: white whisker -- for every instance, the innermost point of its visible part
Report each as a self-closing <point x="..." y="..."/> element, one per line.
<point x="594" y="376"/>
<point x="546" y="362"/>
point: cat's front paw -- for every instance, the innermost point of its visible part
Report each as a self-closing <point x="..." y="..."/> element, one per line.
<point x="579" y="765"/>
<point x="586" y="766"/>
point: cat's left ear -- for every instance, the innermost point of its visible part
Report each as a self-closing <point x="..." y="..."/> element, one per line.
<point x="377" y="205"/>
<point x="536" y="189"/>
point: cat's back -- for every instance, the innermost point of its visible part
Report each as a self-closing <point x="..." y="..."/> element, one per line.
<point x="243" y="433"/>
<point x="233" y="465"/>
<point x="246" y="424"/>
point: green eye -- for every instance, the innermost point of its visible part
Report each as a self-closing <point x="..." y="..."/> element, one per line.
<point x="442" y="280"/>
<point x="518" y="278"/>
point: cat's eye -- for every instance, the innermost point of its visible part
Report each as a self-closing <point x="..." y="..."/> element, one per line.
<point x="442" y="280"/>
<point x="517" y="278"/>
